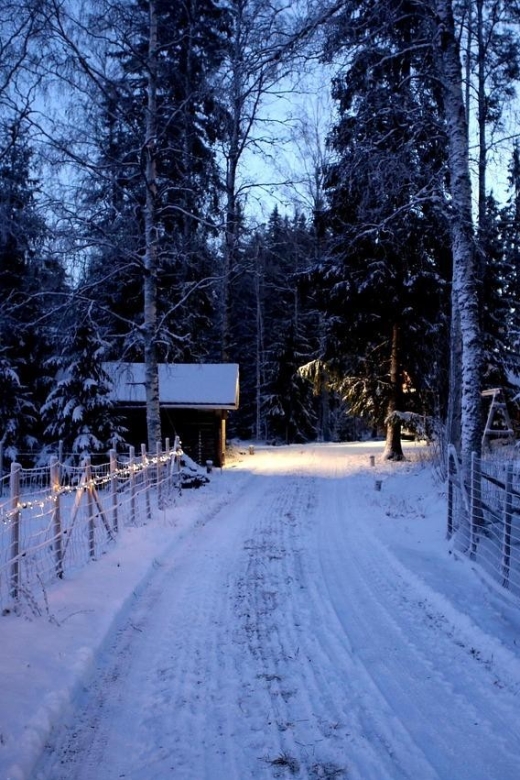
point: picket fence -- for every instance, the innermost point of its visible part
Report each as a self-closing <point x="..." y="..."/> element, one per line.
<point x="484" y="517"/>
<point x="54" y="520"/>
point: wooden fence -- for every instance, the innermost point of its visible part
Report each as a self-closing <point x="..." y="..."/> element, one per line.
<point x="55" y="519"/>
<point x="484" y="516"/>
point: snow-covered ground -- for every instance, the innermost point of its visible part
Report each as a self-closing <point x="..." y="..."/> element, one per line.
<point x="286" y="620"/>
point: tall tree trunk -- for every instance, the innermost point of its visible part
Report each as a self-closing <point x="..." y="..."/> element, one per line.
<point x="153" y="414"/>
<point x="453" y="417"/>
<point x="393" y="449"/>
<point x="482" y="142"/>
<point x="468" y="15"/>
<point x="483" y="226"/>
<point x="464" y="279"/>
<point x="231" y="231"/>
<point x="259" y="347"/>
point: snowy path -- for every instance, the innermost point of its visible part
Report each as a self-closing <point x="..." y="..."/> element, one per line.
<point x="282" y="639"/>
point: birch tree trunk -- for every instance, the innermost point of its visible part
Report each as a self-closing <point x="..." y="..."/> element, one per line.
<point x="232" y="215"/>
<point x="453" y="417"/>
<point x="464" y="277"/>
<point x="153" y="416"/>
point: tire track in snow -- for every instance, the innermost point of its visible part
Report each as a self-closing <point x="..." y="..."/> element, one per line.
<point x="277" y="640"/>
<point x="323" y="722"/>
<point x="414" y="660"/>
<point x="312" y="704"/>
<point x="188" y="697"/>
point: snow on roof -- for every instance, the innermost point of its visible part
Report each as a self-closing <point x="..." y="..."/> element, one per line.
<point x="202" y="385"/>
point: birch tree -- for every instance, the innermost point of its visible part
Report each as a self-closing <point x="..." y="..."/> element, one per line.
<point x="153" y="413"/>
<point x="253" y="70"/>
<point x="266" y="40"/>
<point x="149" y="194"/>
<point x="465" y="299"/>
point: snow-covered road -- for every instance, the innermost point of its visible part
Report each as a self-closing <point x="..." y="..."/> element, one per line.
<point x="282" y="638"/>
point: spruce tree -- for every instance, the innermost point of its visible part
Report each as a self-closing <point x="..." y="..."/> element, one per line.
<point x="78" y="410"/>
<point x="274" y="332"/>
<point x="28" y="278"/>
<point x="385" y="281"/>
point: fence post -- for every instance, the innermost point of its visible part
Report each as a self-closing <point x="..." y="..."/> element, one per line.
<point x="146" y="477"/>
<point x="131" y="466"/>
<point x="1" y="468"/>
<point x="508" y="521"/>
<point x="176" y="462"/>
<point x="158" y="473"/>
<point x="475" y="505"/>
<point x="113" y="489"/>
<point x="55" y="474"/>
<point x="90" y="505"/>
<point x="449" y="529"/>
<point x="15" y="529"/>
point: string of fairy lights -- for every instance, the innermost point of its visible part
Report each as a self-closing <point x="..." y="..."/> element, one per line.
<point x="128" y="471"/>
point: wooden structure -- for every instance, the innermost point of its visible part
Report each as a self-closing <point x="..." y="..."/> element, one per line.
<point x="195" y="399"/>
<point x="498" y="423"/>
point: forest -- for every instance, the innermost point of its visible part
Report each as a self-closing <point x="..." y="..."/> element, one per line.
<point x="326" y="193"/>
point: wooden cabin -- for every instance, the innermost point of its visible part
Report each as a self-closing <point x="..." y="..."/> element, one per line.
<point x="195" y="399"/>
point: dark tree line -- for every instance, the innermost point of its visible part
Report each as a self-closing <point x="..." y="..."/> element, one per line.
<point x="125" y="231"/>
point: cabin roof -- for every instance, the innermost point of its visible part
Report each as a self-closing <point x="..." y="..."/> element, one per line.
<point x="181" y="385"/>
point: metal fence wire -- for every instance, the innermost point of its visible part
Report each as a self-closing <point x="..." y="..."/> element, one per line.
<point x="54" y="520"/>
<point x="484" y="517"/>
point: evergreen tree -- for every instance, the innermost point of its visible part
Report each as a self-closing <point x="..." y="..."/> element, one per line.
<point x="385" y="283"/>
<point x="187" y="121"/>
<point x="288" y="402"/>
<point x="275" y="333"/>
<point x="78" y="410"/>
<point x="499" y="295"/>
<point x="501" y="287"/>
<point x="28" y="277"/>
<point x="289" y="406"/>
<point x="17" y="412"/>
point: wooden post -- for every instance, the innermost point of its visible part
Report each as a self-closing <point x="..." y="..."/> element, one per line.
<point x="55" y="473"/>
<point x="146" y="480"/>
<point x="222" y="439"/>
<point x="475" y="504"/>
<point x="15" y="529"/>
<point x="175" y="463"/>
<point x="90" y="505"/>
<point x="158" y="474"/>
<point x="155" y="473"/>
<point x="449" y="529"/>
<point x="113" y="489"/>
<point x="508" y="522"/>
<point x="131" y="466"/>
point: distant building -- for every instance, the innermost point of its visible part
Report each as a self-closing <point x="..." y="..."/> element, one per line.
<point x="195" y="399"/>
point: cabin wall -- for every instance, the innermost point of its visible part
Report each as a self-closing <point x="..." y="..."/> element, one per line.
<point x="202" y="432"/>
